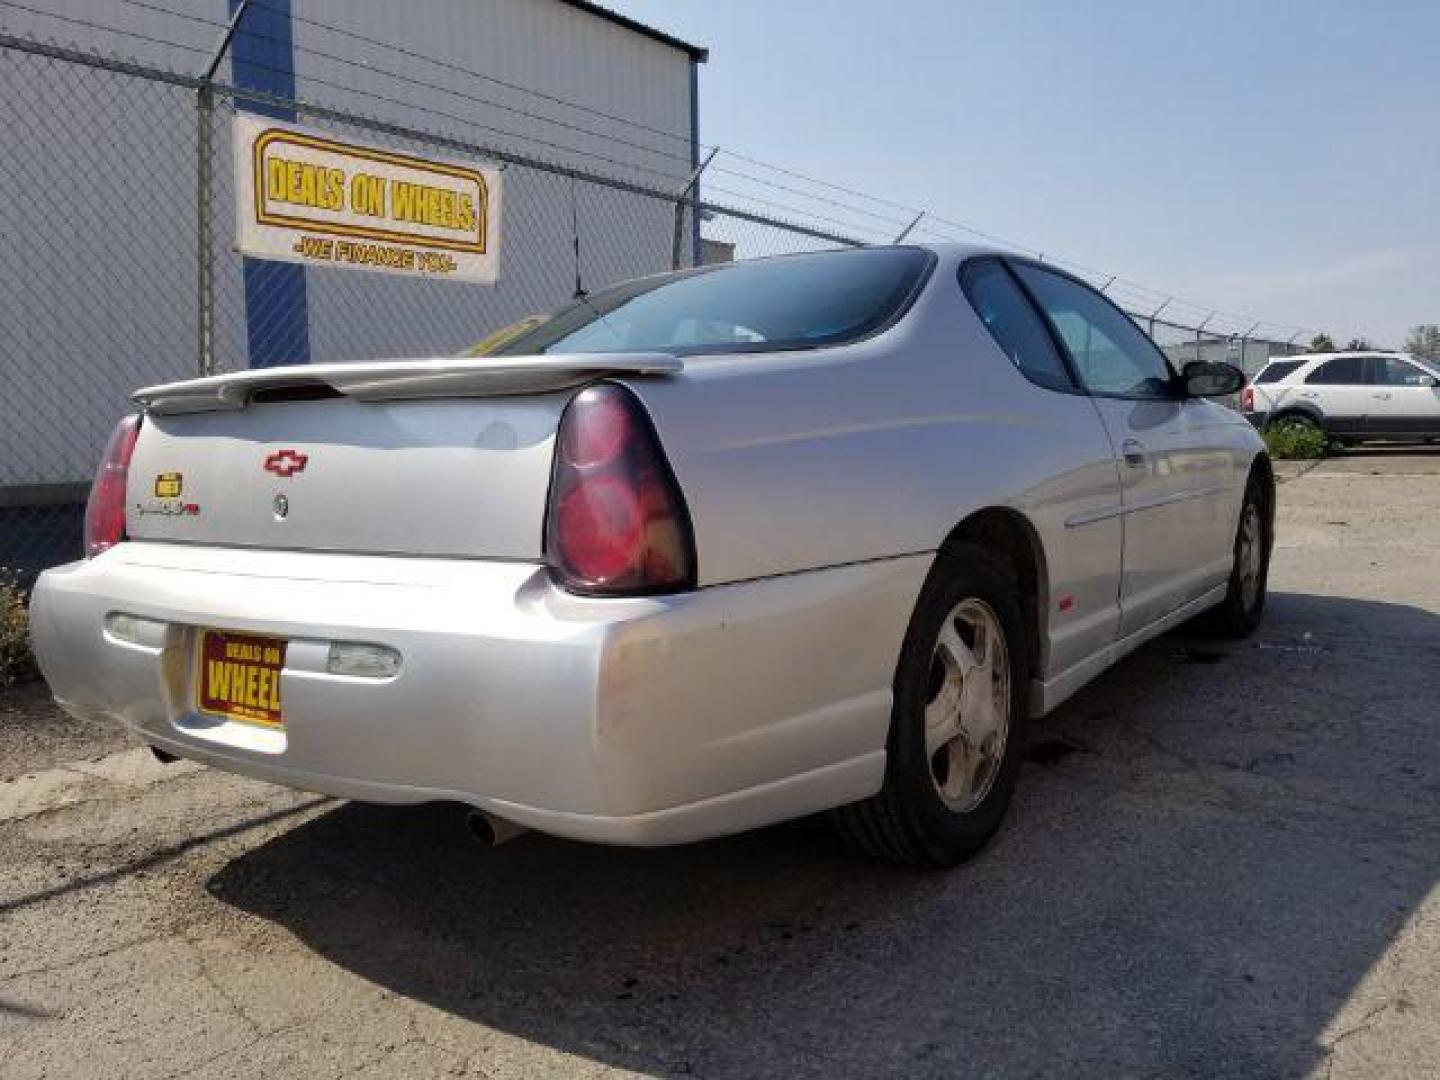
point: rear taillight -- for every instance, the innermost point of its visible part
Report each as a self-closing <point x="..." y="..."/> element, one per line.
<point x="1247" y="399"/>
<point x="105" y="509"/>
<point x="616" y="523"/>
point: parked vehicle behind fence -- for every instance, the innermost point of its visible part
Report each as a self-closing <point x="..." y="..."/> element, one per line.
<point x="1349" y="396"/>
<point x="694" y="554"/>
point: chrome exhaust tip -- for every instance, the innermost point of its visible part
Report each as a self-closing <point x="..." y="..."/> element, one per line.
<point x="491" y="831"/>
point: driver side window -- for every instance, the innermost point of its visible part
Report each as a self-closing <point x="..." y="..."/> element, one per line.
<point x="1112" y="355"/>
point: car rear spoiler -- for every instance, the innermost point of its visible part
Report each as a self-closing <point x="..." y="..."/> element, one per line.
<point x="388" y="380"/>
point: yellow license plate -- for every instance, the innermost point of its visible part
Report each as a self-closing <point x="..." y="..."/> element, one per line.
<point x="239" y="677"/>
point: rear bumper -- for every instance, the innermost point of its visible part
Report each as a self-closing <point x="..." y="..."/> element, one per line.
<point x="1257" y="419"/>
<point x="639" y="721"/>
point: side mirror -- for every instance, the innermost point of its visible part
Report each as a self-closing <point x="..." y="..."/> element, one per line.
<point x="1204" y="378"/>
<point x="1430" y="381"/>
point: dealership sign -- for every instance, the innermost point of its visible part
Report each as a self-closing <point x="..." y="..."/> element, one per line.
<point x="304" y="197"/>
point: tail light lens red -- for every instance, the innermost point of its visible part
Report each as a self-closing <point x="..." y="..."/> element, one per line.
<point x="105" y="509"/>
<point x="617" y="524"/>
<point x="1247" y="399"/>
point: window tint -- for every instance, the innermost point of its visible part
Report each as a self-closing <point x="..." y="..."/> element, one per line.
<point x="798" y="301"/>
<point x="1278" y="370"/>
<point x="1112" y="355"/>
<point x="1341" y="371"/>
<point x="1390" y="371"/>
<point x="1014" y="323"/>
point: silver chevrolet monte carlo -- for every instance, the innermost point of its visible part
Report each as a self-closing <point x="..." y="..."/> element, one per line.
<point x="697" y="553"/>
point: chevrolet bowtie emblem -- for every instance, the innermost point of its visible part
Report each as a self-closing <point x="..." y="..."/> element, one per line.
<point x="286" y="462"/>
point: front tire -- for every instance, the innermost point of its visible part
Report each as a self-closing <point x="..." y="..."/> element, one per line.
<point x="957" y="728"/>
<point x="1239" y="613"/>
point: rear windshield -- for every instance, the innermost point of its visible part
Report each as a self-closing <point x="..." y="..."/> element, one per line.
<point x="794" y="302"/>
<point x="1278" y="370"/>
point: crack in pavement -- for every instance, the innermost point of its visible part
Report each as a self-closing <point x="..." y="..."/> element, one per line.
<point x="1365" y="1023"/>
<point x="195" y="1066"/>
<point x="84" y="958"/>
<point x="208" y="977"/>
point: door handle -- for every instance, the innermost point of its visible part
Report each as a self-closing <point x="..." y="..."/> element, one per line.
<point x="1308" y="393"/>
<point x="1383" y="395"/>
<point x="1135" y="453"/>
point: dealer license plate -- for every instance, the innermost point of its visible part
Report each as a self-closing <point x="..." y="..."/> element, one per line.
<point x="239" y="677"/>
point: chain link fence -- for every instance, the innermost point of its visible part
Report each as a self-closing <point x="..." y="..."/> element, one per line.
<point x="96" y="291"/>
<point x="118" y="267"/>
<point x="1184" y="344"/>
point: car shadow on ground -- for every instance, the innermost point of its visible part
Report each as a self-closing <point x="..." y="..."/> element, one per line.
<point x="1211" y="847"/>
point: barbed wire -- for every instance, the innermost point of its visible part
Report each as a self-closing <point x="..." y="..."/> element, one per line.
<point x="372" y="69"/>
<point x="468" y="122"/>
<point x="1142" y="294"/>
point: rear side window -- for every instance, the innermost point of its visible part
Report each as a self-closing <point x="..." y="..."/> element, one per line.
<point x="792" y="302"/>
<point x="1014" y="323"/>
<point x="1343" y="370"/>
<point x="1277" y="370"/>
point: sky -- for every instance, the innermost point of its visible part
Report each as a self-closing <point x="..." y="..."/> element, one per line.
<point x="1280" y="159"/>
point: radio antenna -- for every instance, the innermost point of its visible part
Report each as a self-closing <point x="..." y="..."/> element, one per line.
<point x="575" y="236"/>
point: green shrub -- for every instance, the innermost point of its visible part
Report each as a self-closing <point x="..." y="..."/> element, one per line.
<point x="16" y="663"/>
<point x="1296" y="441"/>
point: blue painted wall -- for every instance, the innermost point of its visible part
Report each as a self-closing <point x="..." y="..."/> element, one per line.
<point x="277" y="315"/>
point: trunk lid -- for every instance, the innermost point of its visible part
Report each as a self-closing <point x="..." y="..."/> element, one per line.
<point x="435" y="457"/>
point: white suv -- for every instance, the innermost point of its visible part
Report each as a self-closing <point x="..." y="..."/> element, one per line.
<point x="1351" y="395"/>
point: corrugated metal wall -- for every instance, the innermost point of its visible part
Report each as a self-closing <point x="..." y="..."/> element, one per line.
<point x="542" y="45"/>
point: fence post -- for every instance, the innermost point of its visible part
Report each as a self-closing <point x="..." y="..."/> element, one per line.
<point x="205" y="299"/>
<point x="204" y="270"/>
<point x="1156" y="313"/>
<point x="1199" y="334"/>
<point x="1245" y="347"/>
<point x="680" y="198"/>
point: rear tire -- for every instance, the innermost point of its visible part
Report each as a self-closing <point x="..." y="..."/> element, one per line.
<point x="1239" y="613"/>
<point x="957" y="728"/>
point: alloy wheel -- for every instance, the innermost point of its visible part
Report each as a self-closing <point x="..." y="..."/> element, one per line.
<point x="967" y="717"/>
